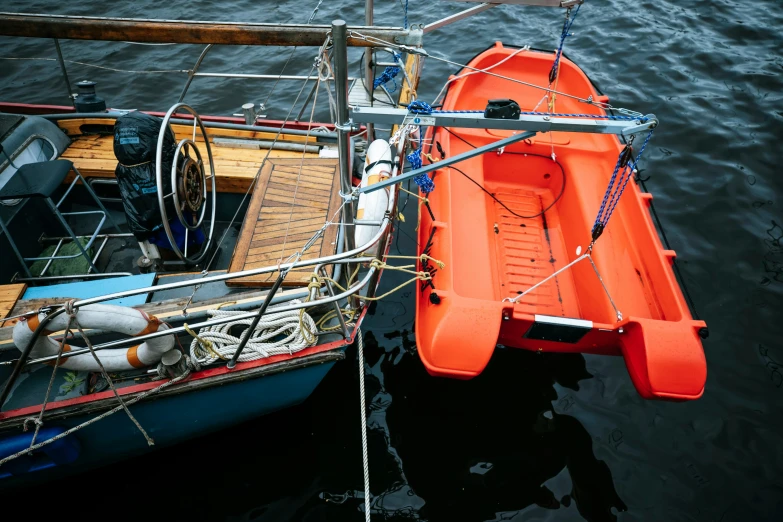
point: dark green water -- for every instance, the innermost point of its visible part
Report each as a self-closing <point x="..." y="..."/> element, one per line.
<point x="534" y="438"/>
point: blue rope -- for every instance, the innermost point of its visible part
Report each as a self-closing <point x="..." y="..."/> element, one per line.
<point x="565" y="34"/>
<point x="419" y="107"/>
<point x="424" y="182"/>
<point x="616" y="187"/>
<point x="388" y="75"/>
<point x="405" y="20"/>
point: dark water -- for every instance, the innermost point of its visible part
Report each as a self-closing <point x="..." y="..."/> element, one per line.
<point x="555" y="438"/>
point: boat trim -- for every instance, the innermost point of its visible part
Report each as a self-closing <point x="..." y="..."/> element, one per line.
<point x="203" y="379"/>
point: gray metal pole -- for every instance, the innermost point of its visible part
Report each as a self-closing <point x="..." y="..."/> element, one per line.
<point x="65" y="73"/>
<point x="369" y="78"/>
<point x="340" y="56"/>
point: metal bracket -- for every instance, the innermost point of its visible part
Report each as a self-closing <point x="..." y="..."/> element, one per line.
<point x="349" y="126"/>
<point x="650" y="123"/>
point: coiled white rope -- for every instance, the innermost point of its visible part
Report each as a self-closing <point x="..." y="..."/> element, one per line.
<point x="276" y="334"/>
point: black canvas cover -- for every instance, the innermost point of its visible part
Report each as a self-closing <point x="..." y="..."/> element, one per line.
<point x="135" y="143"/>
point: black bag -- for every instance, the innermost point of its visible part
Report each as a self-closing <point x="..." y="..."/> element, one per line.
<point x="502" y="109"/>
<point x="135" y="144"/>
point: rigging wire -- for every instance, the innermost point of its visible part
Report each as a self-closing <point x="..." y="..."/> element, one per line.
<point x="422" y="52"/>
<point x="161" y="71"/>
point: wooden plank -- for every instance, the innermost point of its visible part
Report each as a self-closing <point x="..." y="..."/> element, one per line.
<point x="190" y="31"/>
<point x="300" y="189"/>
<point x="284" y="217"/>
<point x="413" y="66"/>
<point x="9" y="295"/>
<point x="236" y="168"/>
<point x="74" y="129"/>
<point x="248" y="225"/>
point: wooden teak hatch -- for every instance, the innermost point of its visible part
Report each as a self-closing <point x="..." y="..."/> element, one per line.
<point x="292" y="200"/>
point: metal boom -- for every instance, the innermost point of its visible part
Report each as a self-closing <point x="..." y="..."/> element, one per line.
<point x="193" y="32"/>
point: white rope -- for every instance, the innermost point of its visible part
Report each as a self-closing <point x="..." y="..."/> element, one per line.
<point x="276" y="334"/>
<point x="455" y="78"/>
<point x="365" y="456"/>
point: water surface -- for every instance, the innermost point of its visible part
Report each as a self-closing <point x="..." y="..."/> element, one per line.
<point x="534" y="438"/>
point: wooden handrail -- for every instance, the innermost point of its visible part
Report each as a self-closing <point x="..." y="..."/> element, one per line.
<point x="191" y="32"/>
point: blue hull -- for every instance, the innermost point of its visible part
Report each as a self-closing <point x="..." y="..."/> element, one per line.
<point x="172" y="419"/>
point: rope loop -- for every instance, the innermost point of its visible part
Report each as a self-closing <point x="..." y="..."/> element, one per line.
<point x="70" y="309"/>
<point x="34" y="420"/>
<point x="388" y="75"/>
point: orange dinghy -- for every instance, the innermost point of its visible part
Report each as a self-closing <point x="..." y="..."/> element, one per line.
<point x="533" y="221"/>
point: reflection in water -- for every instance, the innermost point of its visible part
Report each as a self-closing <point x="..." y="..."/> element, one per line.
<point x="443" y="449"/>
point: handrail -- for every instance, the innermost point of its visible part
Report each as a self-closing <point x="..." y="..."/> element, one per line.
<point x="114" y="114"/>
<point x="191" y="31"/>
<point x="212" y="322"/>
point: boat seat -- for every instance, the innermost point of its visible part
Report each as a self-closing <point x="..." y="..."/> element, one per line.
<point x="36" y="180"/>
<point x="41" y="180"/>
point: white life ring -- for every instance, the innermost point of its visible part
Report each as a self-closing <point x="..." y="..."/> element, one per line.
<point x="378" y="166"/>
<point x="120" y="319"/>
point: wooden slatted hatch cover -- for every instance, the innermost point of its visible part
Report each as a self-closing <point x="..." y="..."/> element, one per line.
<point x="286" y="209"/>
<point x="9" y="294"/>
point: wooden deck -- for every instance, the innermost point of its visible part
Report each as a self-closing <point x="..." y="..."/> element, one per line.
<point x="9" y="295"/>
<point x="93" y="154"/>
<point x="287" y="208"/>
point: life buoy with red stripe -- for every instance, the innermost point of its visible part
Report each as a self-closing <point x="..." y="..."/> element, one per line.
<point x="112" y="318"/>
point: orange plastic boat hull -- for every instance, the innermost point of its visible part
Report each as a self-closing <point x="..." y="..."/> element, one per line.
<point x="492" y="252"/>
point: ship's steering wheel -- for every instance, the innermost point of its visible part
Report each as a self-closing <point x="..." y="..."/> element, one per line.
<point x="188" y="186"/>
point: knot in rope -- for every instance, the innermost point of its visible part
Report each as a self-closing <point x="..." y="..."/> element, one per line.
<point x="424" y="258"/>
<point x="388" y="75"/>
<point x="424" y="182"/>
<point x="419" y="107"/>
<point x="382" y="265"/>
<point x="35" y="420"/>
<point x="69" y="308"/>
<point x="315" y="282"/>
<point x="206" y="344"/>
